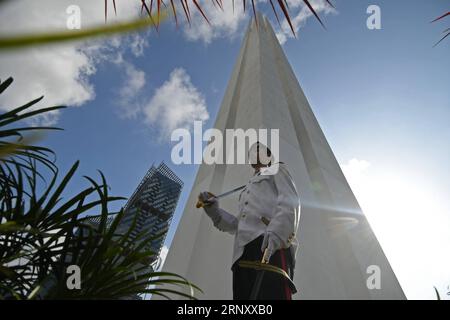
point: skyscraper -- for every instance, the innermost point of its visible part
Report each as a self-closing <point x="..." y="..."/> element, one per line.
<point x="153" y="204"/>
<point x="338" y="249"/>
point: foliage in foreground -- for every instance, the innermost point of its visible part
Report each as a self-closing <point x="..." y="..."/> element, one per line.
<point x="446" y="32"/>
<point x="156" y="11"/>
<point x="280" y="8"/>
<point x="42" y="229"/>
<point x="157" y="5"/>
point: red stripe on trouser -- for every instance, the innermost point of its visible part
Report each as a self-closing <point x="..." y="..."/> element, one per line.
<point x="287" y="290"/>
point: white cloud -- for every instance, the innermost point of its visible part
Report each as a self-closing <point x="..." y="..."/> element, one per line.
<point x="132" y="87"/>
<point x="175" y="104"/>
<point x="59" y="72"/>
<point x="227" y="23"/>
<point x="138" y="45"/>
<point x="223" y="24"/>
<point x="60" y="75"/>
<point x="299" y="13"/>
<point x="62" y="72"/>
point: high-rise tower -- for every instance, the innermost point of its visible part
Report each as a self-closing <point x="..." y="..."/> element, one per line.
<point x="337" y="245"/>
<point x="153" y="203"/>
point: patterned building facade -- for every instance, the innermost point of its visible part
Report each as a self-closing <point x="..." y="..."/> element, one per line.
<point x="153" y="204"/>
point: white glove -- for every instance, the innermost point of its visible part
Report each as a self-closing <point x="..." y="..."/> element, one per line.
<point x="211" y="205"/>
<point x="272" y="242"/>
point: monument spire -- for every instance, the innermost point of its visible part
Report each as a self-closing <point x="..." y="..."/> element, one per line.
<point x="338" y="250"/>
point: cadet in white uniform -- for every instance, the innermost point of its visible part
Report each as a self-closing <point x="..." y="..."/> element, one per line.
<point x="269" y="210"/>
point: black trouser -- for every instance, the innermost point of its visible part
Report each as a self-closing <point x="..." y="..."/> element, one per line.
<point x="274" y="286"/>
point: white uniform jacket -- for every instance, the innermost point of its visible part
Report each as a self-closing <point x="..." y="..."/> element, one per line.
<point x="269" y="202"/>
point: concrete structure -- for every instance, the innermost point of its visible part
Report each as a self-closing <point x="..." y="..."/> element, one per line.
<point x="337" y="245"/>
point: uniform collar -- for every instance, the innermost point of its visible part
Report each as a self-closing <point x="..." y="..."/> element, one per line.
<point x="270" y="171"/>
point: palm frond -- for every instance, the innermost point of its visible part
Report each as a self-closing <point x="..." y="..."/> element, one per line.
<point x="282" y="5"/>
<point x="438" y="296"/>
<point x="44" y="229"/>
<point x="446" y="31"/>
<point x="27" y="40"/>
<point x="441" y="17"/>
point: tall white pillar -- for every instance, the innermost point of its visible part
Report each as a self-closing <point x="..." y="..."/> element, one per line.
<point x="337" y="245"/>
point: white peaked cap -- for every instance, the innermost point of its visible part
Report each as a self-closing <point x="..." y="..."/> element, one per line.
<point x="263" y="154"/>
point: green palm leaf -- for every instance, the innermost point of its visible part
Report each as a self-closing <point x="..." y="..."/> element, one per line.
<point x="44" y="229"/>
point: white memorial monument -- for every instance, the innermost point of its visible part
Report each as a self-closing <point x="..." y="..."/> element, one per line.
<point x="339" y="256"/>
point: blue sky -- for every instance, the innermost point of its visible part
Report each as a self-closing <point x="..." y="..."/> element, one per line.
<point x="381" y="96"/>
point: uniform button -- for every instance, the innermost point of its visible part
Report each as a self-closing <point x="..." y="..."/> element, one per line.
<point x="246" y="203"/>
<point x="248" y="191"/>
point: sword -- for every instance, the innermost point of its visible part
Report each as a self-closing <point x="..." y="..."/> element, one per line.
<point x="261" y="268"/>
<point x="259" y="276"/>
<point x="200" y="203"/>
